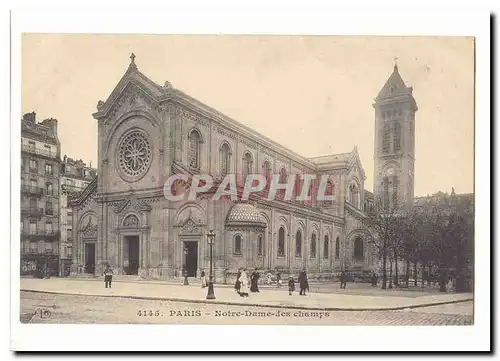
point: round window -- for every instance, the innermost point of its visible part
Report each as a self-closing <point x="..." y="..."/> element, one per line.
<point x="134" y="155"/>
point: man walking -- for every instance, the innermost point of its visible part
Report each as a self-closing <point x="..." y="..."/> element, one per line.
<point x="343" y="280"/>
<point x="108" y="276"/>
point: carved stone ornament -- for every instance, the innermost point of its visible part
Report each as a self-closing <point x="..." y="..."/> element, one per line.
<point x="190" y="228"/>
<point x="131" y="221"/>
<point x="89" y="230"/>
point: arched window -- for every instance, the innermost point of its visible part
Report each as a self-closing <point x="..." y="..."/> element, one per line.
<point x="247" y="165"/>
<point x="259" y="245"/>
<point x="353" y="195"/>
<point x="386" y="138"/>
<point x="283" y="180"/>
<point x="297" y="185"/>
<point x="326" y="247"/>
<point x="397" y="137"/>
<point x="337" y="248"/>
<point x="237" y="244"/>
<point x="358" y="248"/>
<point x="385" y="194"/>
<point x="267" y="173"/>
<point x="313" y="245"/>
<point x="194" y="141"/>
<point x="298" y="244"/>
<point x="281" y="242"/>
<point x="224" y="156"/>
<point x="329" y="191"/>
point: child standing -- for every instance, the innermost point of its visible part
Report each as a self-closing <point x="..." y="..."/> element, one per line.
<point x="291" y="285"/>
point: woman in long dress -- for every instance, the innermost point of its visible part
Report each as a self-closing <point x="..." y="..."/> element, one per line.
<point x="237" y="284"/>
<point x="243" y="284"/>
<point x="203" y="279"/>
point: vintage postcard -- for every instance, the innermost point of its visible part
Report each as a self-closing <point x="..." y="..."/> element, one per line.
<point x="246" y="180"/>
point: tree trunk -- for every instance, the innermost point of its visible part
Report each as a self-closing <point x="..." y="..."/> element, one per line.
<point x="384" y="269"/>
<point x="396" y="280"/>
<point x="423" y="276"/>
<point x="390" y="274"/>
<point x="407" y="273"/>
<point x="415" y="273"/>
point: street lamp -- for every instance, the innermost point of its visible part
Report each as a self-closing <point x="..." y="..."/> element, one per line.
<point x="210" y="240"/>
<point x="186" y="282"/>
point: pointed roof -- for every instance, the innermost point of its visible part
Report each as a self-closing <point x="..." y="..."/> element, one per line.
<point x="394" y="86"/>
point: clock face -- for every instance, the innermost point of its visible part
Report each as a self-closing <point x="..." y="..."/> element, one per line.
<point x="390" y="171"/>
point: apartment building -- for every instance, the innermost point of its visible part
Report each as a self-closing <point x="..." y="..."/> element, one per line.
<point x="40" y="225"/>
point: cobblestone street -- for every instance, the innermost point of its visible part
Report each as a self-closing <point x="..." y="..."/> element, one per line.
<point x="48" y="308"/>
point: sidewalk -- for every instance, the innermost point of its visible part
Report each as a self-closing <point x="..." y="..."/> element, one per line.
<point x="227" y="295"/>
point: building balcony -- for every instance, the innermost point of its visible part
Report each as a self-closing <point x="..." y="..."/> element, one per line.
<point x="36" y="253"/>
<point x="39" y="235"/>
<point x="32" y="211"/>
<point x="32" y="190"/>
<point x="38" y="151"/>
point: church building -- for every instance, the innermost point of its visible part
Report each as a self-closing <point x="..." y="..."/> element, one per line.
<point x="148" y="132"/>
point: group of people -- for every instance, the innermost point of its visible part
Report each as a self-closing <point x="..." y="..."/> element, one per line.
<point x="242" y="280"/>
<point x="303" y="284"/>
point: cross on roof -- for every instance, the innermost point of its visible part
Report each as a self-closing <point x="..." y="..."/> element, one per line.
<point x="132" y="58"/>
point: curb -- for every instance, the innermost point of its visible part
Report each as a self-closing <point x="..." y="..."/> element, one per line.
<point x="228" y="303"/>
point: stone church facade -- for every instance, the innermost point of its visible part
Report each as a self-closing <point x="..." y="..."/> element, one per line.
<point x="148" y="132"/>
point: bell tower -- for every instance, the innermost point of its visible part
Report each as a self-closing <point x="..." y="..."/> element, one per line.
<point x="394" y="152"/>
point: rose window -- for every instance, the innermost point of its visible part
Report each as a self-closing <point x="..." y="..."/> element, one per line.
<point x="135" y="154"/>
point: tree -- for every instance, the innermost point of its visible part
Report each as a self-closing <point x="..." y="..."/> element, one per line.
<point x="383" y="221"/>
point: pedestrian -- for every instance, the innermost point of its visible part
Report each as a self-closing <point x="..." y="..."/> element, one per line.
<point x="374" y="279"/>
<point x="303" y="283"/>
<point x="243" y="284"/>
<point x="237" y="284"/>
<point x="291" y="286"/>
<point x="278" y="280"/>
<point x="343" y="280"/>
<point x="203" y="279"/>
<point x="269" y="280"/>
<point x="108" y="276"/>
<point x="254" y="279"/>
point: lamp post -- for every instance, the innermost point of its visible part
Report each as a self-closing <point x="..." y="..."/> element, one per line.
<point x="186" y="282"/>
<point x="210" y="240"/>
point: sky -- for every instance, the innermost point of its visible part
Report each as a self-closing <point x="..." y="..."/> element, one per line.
<point x="312" y="94"/>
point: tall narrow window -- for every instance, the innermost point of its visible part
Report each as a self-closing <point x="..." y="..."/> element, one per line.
<point x="247" y="166"/>
<point x="267" y="173"/>
<point x="313" y="245"/>
<point x="397" y="137"/>
<point x="358" y="249"/>
<point x="386" y="139"/>
<point x="283" y="180"/>
<point x="48" y="189"/>
<point x="337" y="248"/>
<point x="298" y="244"/>
<point x="194" y="141"/>
<point x="297" y="185"/>
<point x="326" y="247"/>
<point x="224" y="155"/>
<point x="259" y="245"/>
<point x="395" y="186"/>
<point x="385" y="196"/>
<point x="48" y="169"/>
<point x="281" y="242"/>
<point x="32" y="227"/>
<point x="237" y="244"/>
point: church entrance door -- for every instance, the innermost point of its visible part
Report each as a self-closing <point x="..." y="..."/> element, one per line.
<point x="191" y="257"/>
<point x="133" y="254"/>
<point x="90" y="257"/>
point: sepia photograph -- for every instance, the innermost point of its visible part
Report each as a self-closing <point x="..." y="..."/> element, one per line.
<point x="241" y="179"/>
